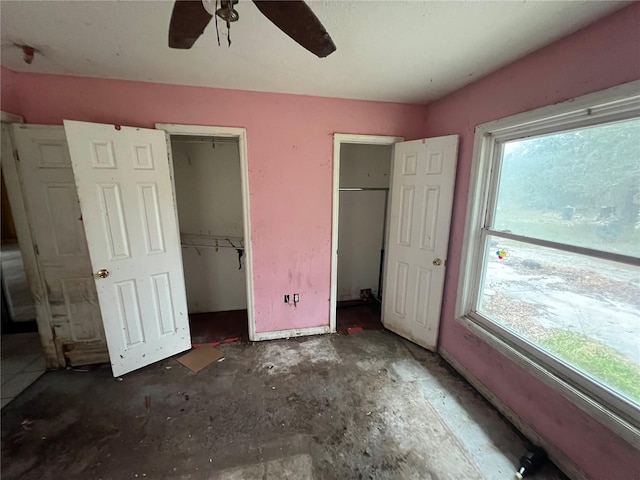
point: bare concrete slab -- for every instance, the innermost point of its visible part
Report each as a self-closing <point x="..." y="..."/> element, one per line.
<point x="365" y="406"/>
<point x="295" y="467"/>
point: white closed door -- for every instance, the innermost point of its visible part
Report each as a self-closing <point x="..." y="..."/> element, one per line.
<point x="126" y="196"/>
<point x="420" y="217"/>
<point x="61" y="247"/>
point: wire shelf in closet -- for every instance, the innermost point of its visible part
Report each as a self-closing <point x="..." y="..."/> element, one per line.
<point x="211" y="241"/>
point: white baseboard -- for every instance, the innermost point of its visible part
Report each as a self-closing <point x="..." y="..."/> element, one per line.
<point x="295" y="332"/>
<point x="561" y="460"/>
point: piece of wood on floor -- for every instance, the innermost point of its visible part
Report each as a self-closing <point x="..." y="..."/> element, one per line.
<point x="200" y="357"/>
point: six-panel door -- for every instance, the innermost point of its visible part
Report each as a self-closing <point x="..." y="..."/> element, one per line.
<point x="123" y="180"/>
<point x="126" y="195"/>
<point x="58" y="231"/>
<point x="420" y="217"/>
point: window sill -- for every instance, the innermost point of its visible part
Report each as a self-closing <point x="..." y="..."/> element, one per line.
<point x="594" y="409"/>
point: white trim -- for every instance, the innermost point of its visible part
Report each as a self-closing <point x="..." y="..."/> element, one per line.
<point x="241" y="135"/>
<point x="6" y="117"/>
<point x="13" y="180"/>
<point x="557" y="457"/>
<point x="566" y="247"/>
<point x="294" y="332"/>
<point x="338" y="139"/>
<point x="618" y="408"/>
<point x="620" y="101"/>
<point x="618" y="425"/>
<point x="614" y="104"/>
<point x="202" y="130"/>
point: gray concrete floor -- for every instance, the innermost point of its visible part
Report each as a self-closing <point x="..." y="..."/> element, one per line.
<point x="369" y="406"/>
<point x="21" y="363"/>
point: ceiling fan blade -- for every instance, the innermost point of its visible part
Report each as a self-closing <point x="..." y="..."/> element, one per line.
<point x="296" y="19"/>
<point x="188" y="21"/>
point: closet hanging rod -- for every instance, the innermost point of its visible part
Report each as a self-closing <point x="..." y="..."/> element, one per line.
<point x="212" y="246"/>
<point x="363" y="189"/>
<point x="211" y="237"/>
<point x="203" y="142"/>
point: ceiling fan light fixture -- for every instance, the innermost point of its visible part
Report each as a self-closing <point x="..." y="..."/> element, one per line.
<point x="228" y="14"/>
<point x="293" y="17"/>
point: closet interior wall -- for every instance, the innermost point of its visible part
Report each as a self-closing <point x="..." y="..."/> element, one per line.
<point x="365" y="172"/>
<point x="209" y="200"/>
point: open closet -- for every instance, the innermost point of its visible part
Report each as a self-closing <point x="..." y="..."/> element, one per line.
<point x="208" y="188"/>
<point x="365" y="172"/>
<point x="18" y="309"/>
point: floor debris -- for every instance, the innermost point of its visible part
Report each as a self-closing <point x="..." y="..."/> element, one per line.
<point x="313" y="425"/>
<point x="86" y="368"/>
<point x="351" y="330"/>
<point x="26" y="424"/>
<point x="200" y="357"/>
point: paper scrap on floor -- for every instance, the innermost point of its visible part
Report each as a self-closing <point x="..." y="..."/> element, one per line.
<point x="200" y="357"/>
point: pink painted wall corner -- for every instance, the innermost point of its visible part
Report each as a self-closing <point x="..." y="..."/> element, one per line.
<point x="602" y="55"/>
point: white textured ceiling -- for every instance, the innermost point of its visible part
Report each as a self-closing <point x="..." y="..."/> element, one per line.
<point x="409" y="52"/>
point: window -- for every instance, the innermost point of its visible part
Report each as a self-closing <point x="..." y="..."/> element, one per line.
<point x="553" y="243"/>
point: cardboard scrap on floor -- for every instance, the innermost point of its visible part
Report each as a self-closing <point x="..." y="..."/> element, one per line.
<point x="200" y="357"/>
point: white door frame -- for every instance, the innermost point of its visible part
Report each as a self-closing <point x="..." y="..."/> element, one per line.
<point x="338" y="140"/>
<point x="241" y="135"/>
<point x="13" y="181"/>
<point x="6" y="117"/>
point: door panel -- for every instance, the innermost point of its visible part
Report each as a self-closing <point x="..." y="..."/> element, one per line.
<point x="58" y="231"/>
<point x="420" y="217"/>
<point x="126" y="196"/>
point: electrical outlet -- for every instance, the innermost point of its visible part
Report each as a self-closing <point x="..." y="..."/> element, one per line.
<point x="286" y="299"/>
<point x="296" y="298"/>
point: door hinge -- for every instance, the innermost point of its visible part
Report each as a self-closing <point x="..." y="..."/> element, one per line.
<point x="35" y="247"/>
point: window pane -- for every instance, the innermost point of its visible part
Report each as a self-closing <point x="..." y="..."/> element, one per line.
<point x="583" y="310"/>
<point x="580" y="187"/>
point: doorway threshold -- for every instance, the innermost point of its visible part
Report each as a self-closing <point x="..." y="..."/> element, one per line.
<point x="215" y="328"/>
<point x="355" y="316"/>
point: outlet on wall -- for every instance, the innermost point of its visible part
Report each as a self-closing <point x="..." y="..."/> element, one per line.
<point x="296" y="298"/>
<point x="286" y="299"/>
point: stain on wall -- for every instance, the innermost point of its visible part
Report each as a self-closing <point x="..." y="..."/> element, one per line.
<point x="290" y="155"/>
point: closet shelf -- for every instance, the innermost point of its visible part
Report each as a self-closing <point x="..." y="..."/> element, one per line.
<point x="211" y="241"/>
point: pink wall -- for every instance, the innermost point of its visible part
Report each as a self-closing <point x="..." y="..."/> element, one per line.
<point x="290" y="155"/>
<point x="290" y="152"/>
<point x="602" y="55"/>
<point x="9" y="91"/>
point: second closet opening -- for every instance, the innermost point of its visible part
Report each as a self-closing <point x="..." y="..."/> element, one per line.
<point x="208" y="186"/>
<point x="365" y="178"/>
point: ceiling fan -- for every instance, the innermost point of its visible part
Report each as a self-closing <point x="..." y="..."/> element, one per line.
<point x="293" y="17"/>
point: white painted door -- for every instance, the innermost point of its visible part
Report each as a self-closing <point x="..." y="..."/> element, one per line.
<point x="57" y="230"/>
<point x="420" y="217"/>
<point x="126" y="196"/>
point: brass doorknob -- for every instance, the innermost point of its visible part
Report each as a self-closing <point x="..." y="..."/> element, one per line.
<point x="103" y="273"/>
<point x="437" y="262"/>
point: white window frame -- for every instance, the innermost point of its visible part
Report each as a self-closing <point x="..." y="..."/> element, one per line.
<point x="614" y="104"/>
